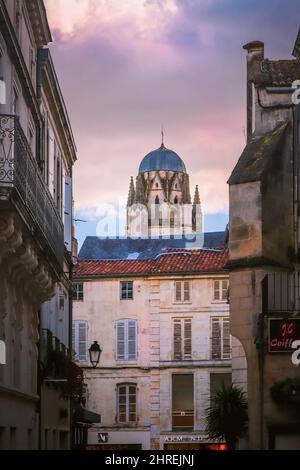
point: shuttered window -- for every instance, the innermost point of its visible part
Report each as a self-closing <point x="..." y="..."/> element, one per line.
<point x="80" y="339"/>
<point x="126" y="338"/>
<point x="182" y="291"/>
<point x="126" y="403"/>
<point x="182" y="338"/>
<point x="220" y="338"/>
<point x="221" y="290"/>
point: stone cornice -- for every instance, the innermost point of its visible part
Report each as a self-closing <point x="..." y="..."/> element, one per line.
<point x="15" y="52"/>
<point x="39" y="23"/>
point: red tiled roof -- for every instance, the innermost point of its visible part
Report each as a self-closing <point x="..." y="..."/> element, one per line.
<point x="168" y="262"/>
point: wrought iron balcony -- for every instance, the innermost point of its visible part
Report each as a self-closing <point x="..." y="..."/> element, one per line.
<point x="21" y="182"/>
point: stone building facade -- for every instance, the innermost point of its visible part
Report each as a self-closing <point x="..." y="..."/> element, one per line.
<point x="264" y="251"/>
<point x="37" y="152"/>
<point x="163" y="327"/>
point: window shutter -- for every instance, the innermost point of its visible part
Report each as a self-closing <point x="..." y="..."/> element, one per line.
<point x="224" y="289"/>
<point x="74" y="338"/>
<point x="187" y="339"/>
<point x="177" y="339"/>
<point x="216" y="339"/>
<point x="216" y="290"/>
<point x="121" y="340"/>
<point x="178" y="291"/>
<point x="186" y="291"/>
<point x="132" y="339"/>
<point x="82" y="341"/>
<point x="226" y="338"/>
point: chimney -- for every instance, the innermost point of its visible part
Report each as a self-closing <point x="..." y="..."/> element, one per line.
<point x="255" y="56"/>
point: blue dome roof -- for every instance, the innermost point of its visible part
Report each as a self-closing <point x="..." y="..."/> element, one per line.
<point x="162" y="159"/>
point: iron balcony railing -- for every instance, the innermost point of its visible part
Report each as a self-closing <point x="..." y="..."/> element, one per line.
<point x="21" y="177"/>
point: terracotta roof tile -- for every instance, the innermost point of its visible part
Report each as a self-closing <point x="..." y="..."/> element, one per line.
<point x="168" y="262"/>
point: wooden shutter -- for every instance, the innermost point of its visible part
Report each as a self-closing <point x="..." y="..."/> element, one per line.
<point x="186" y="291"/>
<point x="226" y="338"/>
<point x="120" y="340"/>
<point x="178" y="291"/>
<point x="215" y="339"/>
<point x="132" y="339"/>
<point x="216" y="290"/>
<point x="187" y="338"/>
<point x="177" y="340"/>
<point x="224" y="289"/>
<point x="82" y="341"/>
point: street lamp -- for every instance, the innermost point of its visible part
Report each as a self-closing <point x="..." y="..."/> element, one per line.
<point x="95" y="353"/>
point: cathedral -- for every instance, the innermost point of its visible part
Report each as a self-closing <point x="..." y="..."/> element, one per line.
<point x="159" y="203"/>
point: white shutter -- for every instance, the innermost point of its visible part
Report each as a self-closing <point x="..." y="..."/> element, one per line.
<point x="82" y="341"/>
<point x="120" y="333"/>
<point x="216" y="290"/>
<point x="186" y="291"/>
<point x="224" y="289"/>
<point x="131" y="339"/>
<point x="74" y="338"/>
<point x="215" y="339"/>
<point x="177" y="339"/>
<point x="187" y="338"/>
<point x="178" y="291"/>
<point x="226" y="338"/>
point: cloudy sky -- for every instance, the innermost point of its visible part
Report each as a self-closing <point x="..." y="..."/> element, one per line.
<point x="127" y="66"/>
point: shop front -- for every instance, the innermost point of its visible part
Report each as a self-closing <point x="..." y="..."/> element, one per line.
<point x="108" y="439"/>
<point x="191" y="442"/>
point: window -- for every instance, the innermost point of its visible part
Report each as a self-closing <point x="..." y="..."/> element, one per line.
<point x="217" y="381"/>
<point x="79" y="339"/>
<point x="126" y="290"/>
<point x="78" y="291"/>
<point x="220" y="338"/>
<point x="182" y="338"/>
<point x="182" y="291"/>
<point x="126" y="398"/>
<point x="221" y="290"/>
<point x="126" y="336"/>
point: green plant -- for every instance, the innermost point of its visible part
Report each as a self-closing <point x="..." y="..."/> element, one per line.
<point x="227" y="416"/>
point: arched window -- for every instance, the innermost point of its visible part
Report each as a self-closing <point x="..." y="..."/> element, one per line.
<point x="176" y="200"/>
<point x="156" y="185"/>
<point x="157" y="200"/>
<point x="126" y="403"/>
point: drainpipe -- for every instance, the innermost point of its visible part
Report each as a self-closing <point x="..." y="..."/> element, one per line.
<point x="296" y="119"/>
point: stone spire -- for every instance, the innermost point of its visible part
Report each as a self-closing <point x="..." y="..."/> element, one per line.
<point x="131" y="193"/>
<point x="196" y="197"/>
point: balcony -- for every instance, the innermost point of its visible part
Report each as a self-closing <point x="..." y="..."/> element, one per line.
<point x="22" y="184"/>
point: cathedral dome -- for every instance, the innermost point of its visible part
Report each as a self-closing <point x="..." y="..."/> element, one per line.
<point x="162" y="159"/>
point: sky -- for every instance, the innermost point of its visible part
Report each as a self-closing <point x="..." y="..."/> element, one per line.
<point x="128" y="66"/>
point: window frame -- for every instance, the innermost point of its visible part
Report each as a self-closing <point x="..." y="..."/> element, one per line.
<point x="224" y="356"/>
<point x="184" y="356"/>
<point x="76" y="292"/>
<point x="127" y="290"/>
<point x="220" y="289"/>
<point x="182" y="292"/>
<point x="126" y="326"/>
<point x="127" y="386"/>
